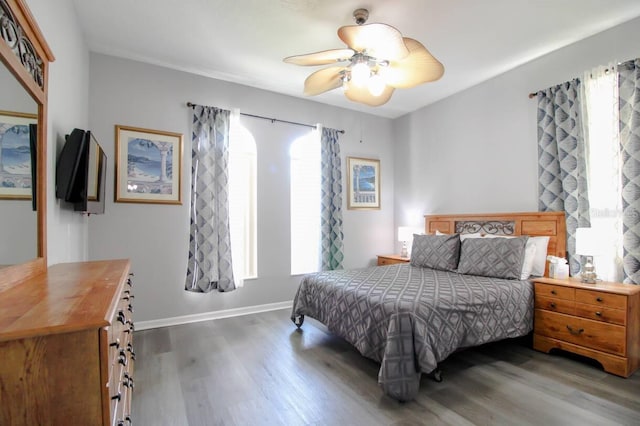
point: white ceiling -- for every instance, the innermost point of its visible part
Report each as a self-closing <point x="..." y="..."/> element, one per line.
<point x="244" y="41"/>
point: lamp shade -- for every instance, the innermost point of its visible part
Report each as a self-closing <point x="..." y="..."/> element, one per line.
<point x="405" y="233"/>
<point x="587" y="242"/>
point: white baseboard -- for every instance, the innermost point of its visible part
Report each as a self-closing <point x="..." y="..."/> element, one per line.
<point x="206" y="316"/>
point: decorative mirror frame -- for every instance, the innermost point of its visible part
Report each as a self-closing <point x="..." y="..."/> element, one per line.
<point x="25" y="53"/>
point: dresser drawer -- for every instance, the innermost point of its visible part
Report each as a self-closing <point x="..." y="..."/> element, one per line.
<point x="613" y="316"/>
<point x="556" y="305"/>
<point x="600" y="298"/>
<point x="557" y="291"/>
<point x="588" y="333"/>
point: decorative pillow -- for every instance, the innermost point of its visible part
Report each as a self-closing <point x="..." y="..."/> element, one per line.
<point x="529" y="255"/>
<point x="493" y="257"/>
<point x="436" y="251"/>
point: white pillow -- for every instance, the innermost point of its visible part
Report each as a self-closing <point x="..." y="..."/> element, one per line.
<point x="540" y="260"/>
<point x="463" y="236"/>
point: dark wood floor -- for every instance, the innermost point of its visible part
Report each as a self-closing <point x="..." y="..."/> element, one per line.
<point x="259" y="370"/>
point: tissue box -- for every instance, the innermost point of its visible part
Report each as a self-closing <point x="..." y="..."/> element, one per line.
<point x="558" y="271"/>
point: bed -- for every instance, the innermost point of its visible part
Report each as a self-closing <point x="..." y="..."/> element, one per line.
<point x="411" y="317"/>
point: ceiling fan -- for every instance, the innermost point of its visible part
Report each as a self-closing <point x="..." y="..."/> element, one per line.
<point x="377" y="59"/>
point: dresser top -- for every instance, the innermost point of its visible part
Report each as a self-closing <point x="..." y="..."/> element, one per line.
<point x="68" y="297"/>
<point x="605" y="286"/>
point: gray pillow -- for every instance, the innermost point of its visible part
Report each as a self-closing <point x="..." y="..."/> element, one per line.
<point x="436" y="251"/>
<point x="493" y="257"/>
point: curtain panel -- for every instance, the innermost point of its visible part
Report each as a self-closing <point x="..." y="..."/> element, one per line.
<point x="331" y="245"/>
<point x="562" y="172"/>
<point x="209" y="266"/>
<point x="629" y="112"/>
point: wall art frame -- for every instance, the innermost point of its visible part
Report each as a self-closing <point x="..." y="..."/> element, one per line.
<point x="17" y="158"/>
<point x="148" y="166"/>
<point x="363" y="183"/>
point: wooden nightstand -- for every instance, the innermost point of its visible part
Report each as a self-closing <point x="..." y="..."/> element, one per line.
<point x="390" y="259"/>
<point x="600" y="321"/>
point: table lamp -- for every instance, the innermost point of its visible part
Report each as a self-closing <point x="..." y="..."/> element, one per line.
<point x="405" y="234"/>
<point x="587" y="245"/>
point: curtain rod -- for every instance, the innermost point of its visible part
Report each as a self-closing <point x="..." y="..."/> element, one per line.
<point x="607" y="70"/>
<point x="273" y="120"/>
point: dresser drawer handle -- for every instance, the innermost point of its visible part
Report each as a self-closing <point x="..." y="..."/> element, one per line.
<point x="116" y="343"/>
<point x="118" y="396"/>
<point x="598" y="314"/>
<point x="599" y="299"/>
<point x="553" y="292"/>
<point x="552" y="305"/>
<point x="575" y="332"/>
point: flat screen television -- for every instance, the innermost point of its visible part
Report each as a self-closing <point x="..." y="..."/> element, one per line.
<point x="81" y="172"/>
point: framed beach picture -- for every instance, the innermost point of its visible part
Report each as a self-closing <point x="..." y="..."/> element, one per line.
<point x="16" y="179"/>
<point x="148" y="166"/>
<point x="363" y="177"/>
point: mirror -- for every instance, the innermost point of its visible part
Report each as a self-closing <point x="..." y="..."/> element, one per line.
<point x="24" y="64"/>
<point x="18" y="227"/>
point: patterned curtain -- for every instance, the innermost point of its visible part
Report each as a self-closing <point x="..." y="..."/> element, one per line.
<point x="562" y="173"/>
<point x="331" y="201"/>
<point x="209" y="266"/>
<point x="629" y="92"/>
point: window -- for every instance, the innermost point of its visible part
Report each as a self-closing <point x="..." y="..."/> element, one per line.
<point x="305" y="204"/>
<point x="604" y="168"/>
<point x="242" y="200"/>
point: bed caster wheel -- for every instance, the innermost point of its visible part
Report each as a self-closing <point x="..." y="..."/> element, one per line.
<point x="437" y="376"/>
<point x="298" y="320"/>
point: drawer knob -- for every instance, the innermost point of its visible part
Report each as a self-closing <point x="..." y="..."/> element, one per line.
<point x="599" y="299"/>
<point x="122" y="359"/>
<point x="575" y="332"/>
<point x="552" y="305"/>
<point x="553" y="292"/>
<point x="598" y="314"/>
<point x="116" y="343"/>
<point x="118" y="396"/>
<point x="128" y="419"/>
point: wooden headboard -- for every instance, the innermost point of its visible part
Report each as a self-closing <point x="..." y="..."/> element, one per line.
<point x="551" y="224"/>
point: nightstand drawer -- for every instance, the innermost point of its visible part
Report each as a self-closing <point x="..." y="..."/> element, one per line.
<point x="557" y="291"/>
<point x="588" y="333"/>
<point x="600" y="298"/>
<point x="556" y="305"/>
<point x="613" y="316"/>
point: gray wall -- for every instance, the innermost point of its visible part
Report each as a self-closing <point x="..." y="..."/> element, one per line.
<point x="155" y="237"/>
<point x="476" y="151"/>
<point x="67" y="231"/>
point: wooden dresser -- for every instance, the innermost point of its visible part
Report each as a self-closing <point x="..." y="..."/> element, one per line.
<point x="390" y="259"/>
<point x="600" y="321"/>
<point x="66" y="349"/>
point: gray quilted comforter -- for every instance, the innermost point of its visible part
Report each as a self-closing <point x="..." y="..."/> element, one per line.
<point x="409" y="318"/>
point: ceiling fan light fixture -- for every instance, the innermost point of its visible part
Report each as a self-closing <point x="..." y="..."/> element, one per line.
<point x="376" y="84"/>
<point x="360" y="74"/>
<point x="378" y="60"/>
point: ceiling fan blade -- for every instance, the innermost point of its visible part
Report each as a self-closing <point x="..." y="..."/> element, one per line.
<point x="321" y="58"/>
<point x="381" y="41"/>
<point x="417" y="68"/>
<point x="363" y="96"/>
<point x="323" y="80"/>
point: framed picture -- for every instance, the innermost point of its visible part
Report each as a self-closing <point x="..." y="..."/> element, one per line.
<point x="363" y="177"/>
<point x="16" y="160"/>
<point x="148" y="166"/>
